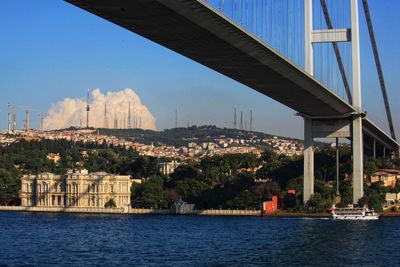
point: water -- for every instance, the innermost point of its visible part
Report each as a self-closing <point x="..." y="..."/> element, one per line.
<point x="109" y="240"/>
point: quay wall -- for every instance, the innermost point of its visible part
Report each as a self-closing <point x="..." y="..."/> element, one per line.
<point x="60" y="209"/>
<point x="216" y="212"/>
<point x="229" y="212"/>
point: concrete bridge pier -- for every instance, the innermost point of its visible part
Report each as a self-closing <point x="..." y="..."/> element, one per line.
<point x="357" y="147"/>
<point x="357" y="136"/>
<point x="322" y="128"/>
<point x="308" y="189"/>
<point x="335" y="127"/>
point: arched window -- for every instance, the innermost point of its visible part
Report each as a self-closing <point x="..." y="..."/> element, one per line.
<point x="93" y="188"/>
<point x="75" y="188"/>
<point x="45" y="187"/>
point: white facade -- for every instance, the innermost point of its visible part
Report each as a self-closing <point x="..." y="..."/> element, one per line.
<point x="75" y="189"/>
<point x="167" y="168"/>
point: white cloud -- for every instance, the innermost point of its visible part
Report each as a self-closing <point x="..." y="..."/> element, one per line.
<point x="72" y="111"/>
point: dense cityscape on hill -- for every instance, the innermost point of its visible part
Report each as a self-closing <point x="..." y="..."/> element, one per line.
<point x="179" y="143"/>
<point x="181" y="136"/>
<point x="209" y="167"/>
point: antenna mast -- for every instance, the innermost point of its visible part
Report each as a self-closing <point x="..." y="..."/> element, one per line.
<point x="251" y="120"/>
<point x="234" y="119"/>
<point x="41" y="122"/>
<point x="27" y="120"/>
<point x="129" y="116"/>
<point x="241" y="120"/>
<point x="176" y="118"/>
<point x="87" y="110"/>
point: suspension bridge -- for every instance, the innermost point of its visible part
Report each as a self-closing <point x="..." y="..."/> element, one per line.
<point x="303" y="54"/>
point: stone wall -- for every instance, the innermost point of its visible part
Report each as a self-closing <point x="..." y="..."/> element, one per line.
<point x="57" y="209"/>
<point x="216" y="212"/>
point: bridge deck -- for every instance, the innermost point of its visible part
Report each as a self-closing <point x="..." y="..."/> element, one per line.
<point x="193" y="29"/>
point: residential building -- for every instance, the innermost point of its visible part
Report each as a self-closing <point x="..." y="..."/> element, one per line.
<point x="55" y="157"/>
<point x="167" y="168"/>
<point x="387" y="176"/>
<point x="392" y="198"/>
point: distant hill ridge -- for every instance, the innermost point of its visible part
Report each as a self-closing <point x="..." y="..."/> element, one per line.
<point x="182" y="136"/>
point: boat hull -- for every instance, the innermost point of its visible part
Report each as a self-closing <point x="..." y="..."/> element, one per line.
<point x="352" y="213"/>
<point x="352" y="218"/>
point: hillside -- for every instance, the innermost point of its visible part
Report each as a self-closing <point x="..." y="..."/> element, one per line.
<point x="181" y="136"/>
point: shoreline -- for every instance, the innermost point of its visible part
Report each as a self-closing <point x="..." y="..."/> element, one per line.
<point x="298" y="214"/>
<point x="212" y="212"/>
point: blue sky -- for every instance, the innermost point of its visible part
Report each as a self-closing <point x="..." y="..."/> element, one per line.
<point x="50" y="50"/>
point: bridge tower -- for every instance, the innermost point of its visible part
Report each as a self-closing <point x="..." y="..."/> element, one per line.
<point x="334" y="127"/>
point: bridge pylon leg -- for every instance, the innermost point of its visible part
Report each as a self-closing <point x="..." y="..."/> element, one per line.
<point x="358" y="176"/>
<point x="308" y="183"/>
<point x="308" y="173"/>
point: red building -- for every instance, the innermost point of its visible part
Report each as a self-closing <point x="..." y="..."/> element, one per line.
<point x="269" y="207"/>
<point x="291" y="192"/>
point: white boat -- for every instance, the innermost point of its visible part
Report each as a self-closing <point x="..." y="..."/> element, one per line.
<point x="351" y="213"/>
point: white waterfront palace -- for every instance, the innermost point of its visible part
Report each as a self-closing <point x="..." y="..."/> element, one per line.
<point x="76" y="188"/>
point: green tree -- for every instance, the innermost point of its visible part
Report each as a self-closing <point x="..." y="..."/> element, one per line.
<point x="150" y="194"/>
<point x="269" y="155"/>
<point x="396" y="163"/>
<point x="271" y="163"/>
<point x="318" y="204"/>
<point x="370" y="166"/>
<point x="294" y="202"/>
<point x="191" y="189"/>
<point x="9" y="186"/>
<point x="243" y="200"/>
<point x="144" y="166"/>
<point x="346" y="193"/>
<point x="372" y="200"/>
<point x="295" y="184"/>
<point x="185" y="172"/>
<point x="267" y="190"/>
<point x="374" y="196"/>
<point x="110" y="203"/>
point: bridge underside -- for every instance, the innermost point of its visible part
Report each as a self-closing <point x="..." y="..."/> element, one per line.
<point x="376" y="142"/>
<point x="197" y="31"/>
